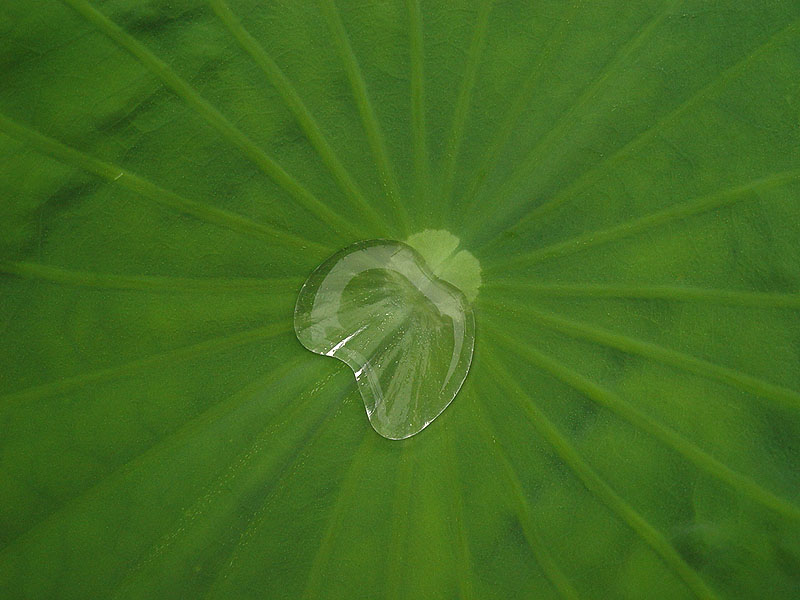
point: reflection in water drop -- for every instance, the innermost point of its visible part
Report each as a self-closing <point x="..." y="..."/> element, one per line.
<point x="407" y="334"/>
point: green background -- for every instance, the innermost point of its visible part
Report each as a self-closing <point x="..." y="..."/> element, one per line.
<point x="628" y="175"/>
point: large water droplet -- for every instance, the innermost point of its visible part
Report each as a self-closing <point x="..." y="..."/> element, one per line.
<point x="407" y="334"/>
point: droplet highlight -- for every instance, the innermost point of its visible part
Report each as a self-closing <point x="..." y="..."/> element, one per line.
<point x="407" y="334"/>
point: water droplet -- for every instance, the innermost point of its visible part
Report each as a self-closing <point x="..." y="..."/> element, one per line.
<point x="393" y="315"/>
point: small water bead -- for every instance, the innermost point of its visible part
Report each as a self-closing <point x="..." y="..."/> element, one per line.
<point x="385" y="309"/>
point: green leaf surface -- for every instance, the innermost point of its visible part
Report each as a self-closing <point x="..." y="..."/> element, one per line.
<point x="627" y="174"/>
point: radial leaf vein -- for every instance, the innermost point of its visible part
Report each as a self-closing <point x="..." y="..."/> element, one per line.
<point x="453" y="147"/>
<point x="521" y="101"/>
<point x="671" y="438"/>
<point x="214" y="117"/>
<point x="157" y="451"/>
<point x="537" y="545"/>
<point x="589" y="177"/>
<point x="252" y="465"/>
<point x="598" y="486"/>
<point x="636" y="226"/>
<point x="141" y="186"/>
<point x="217" y="344"/>
<point x="460" y="541"/>
<point x="372" y="128"/>
<point x="301" y="113"/>
<point x="259" y="518"/>
<point x="146" y="283"/>
<point x="568" y="119"/>
<point x="659" y="292"/>
<point x="421" y="159"/>
<point x="399" y="525"/>
<point x="346" y="491"/>
<point x="748" y="383"/>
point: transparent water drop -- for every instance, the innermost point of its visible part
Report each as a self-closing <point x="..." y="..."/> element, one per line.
<point x="407" y="334"/>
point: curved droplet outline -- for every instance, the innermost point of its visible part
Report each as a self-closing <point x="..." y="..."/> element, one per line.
<point x="469" y="314"/>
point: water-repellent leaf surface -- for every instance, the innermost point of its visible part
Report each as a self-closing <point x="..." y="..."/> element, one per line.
<point x="627" y="174"/>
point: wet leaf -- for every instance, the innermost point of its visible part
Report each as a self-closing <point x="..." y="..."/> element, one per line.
<point x="627" y="176"/>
